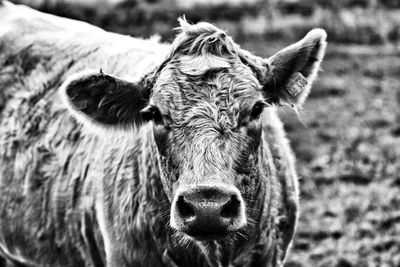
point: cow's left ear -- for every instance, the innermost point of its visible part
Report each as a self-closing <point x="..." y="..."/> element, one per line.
<point x="105" y="100"/>
<point x="292" y="70"/>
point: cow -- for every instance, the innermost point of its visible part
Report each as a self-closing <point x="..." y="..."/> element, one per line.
<point x="118" y="151"/>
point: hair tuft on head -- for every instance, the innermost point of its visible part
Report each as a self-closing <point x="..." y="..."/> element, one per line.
<point x="184" y="25"/>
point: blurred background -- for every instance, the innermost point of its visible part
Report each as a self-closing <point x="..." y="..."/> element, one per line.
<point x="347" y="141"/>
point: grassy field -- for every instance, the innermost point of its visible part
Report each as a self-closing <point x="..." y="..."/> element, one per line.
<point x="349" y="161"/>
<point x="348" y="158"/>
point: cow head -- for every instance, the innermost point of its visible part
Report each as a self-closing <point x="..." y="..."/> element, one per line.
<point x="204" y="102"/>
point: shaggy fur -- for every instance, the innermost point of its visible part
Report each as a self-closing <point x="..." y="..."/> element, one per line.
<point x="100" y="193"/>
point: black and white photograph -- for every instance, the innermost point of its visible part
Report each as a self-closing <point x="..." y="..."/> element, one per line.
<point x="199" y="133"/>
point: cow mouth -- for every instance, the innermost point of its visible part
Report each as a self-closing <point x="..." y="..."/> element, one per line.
<point x="208" y="235"/>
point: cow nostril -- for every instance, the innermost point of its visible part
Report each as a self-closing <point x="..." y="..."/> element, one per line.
<point x="184" y="208"/>
<point x="231" y="209"/>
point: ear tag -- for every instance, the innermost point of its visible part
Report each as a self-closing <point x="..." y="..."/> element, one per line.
<point x="296" y="84"/>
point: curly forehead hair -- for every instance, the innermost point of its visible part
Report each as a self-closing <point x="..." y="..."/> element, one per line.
<point x="204" y="39"/>
<point x="205" y="73"/>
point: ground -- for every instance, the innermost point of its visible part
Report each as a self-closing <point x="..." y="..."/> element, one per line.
<point x="347" y="144"/>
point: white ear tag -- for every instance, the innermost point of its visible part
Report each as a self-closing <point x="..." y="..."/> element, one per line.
<point x="296" y="84"/>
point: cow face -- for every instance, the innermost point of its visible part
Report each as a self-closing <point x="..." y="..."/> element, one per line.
<point x="205" y="102"/>
<point x="208" y="133"/>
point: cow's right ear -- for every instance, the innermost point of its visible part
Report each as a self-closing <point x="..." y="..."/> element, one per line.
<point x="292" y="70"/>
<point x="105" y="100"/>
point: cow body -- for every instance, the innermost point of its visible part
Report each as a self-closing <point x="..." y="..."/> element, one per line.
<point x="71" y="197"/>
<point x="48" y="183"/>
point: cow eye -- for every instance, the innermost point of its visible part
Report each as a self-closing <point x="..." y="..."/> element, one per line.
<point x="152" y="113"/>
<point x="257" y="109"/>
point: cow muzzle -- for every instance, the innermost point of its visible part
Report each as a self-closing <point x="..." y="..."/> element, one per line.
<point x="208" y="212"/>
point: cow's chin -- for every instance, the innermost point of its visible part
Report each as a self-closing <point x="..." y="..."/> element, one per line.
<point x="208" y="236"/>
